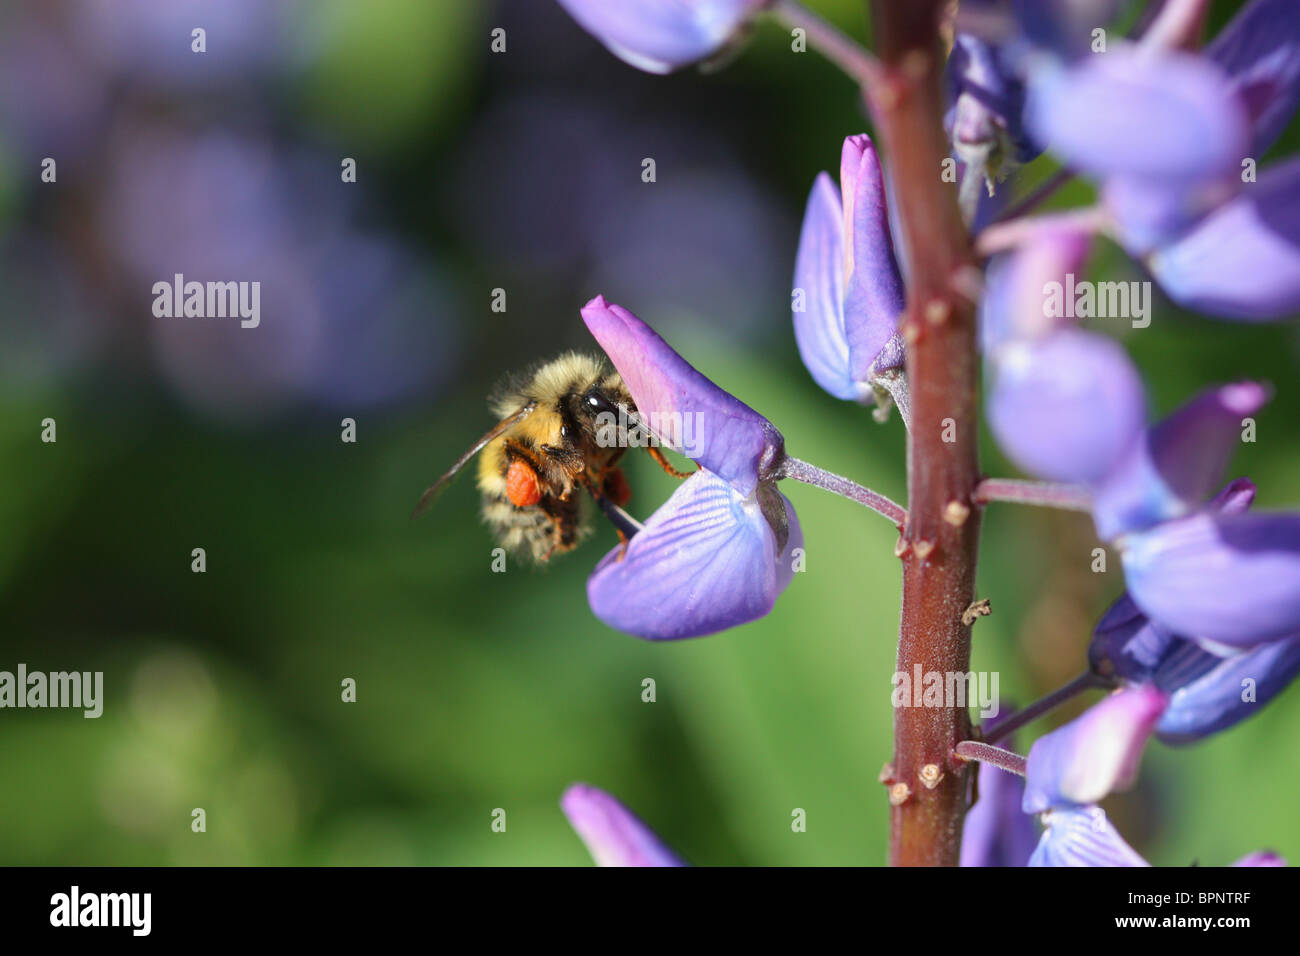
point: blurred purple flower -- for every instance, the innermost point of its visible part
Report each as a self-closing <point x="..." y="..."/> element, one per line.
<point x="1260" y="52"/>
<point x="848" y="293"/>
<point x="1095" y="754"/>
<point x="660" y="36"/>
<point x="613" y="834"/>
<point x="1065" y="406"/>
<point x="718" y="552"/>
<point x="1261" y="858"/>
<point x="1241" y="261"/>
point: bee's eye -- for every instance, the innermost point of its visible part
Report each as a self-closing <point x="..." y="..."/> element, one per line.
<point x="597" y="402"/>
<point x="564" y="431"/>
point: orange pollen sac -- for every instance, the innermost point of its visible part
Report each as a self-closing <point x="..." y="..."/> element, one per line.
<point x="616" y="488"/>
<point x="521" y="484"/>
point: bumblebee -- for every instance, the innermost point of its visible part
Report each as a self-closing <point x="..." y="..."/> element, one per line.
<point x="560" y="432"/>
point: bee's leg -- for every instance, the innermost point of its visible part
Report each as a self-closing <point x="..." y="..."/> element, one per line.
<point x="663" y="463"/>
<point x="623" y="523"/>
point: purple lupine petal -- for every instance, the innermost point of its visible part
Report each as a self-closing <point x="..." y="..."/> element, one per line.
<point x="1016" y="302"/>
<point x="705" y="561"/>
<point x="1231" y="579"/>
<point x="1147" y="213"/>
<point x="996" y="831"/>
<point x="1082" y="837"/>
<point x="873" y="292"/>
<point x="1177" y="464"/>
<point x="819" y="276"/>
<point x="613" y="834"/>
<point x="1171" y="117"/>
<point x="660" y="36"/>
<point x="1066" y="406"/>
<point x="1212" y="699"/>
<point x="1260" y="51"/>
<point x="1125" y="644"/>
<point x="1095" y="753"/>
<point x="1262" y="858"/>
<point x="1241" y="261"/>
<point x="729" y="438"/>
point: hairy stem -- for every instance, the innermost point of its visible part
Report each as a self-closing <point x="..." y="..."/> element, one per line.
<point x="1045" y="494"/>
<point x="941" y="538"/>
<point x="827" y="39"/>
<point x="1014" y="721"/>
<point x="829" y="481"/>
<point x="974" y="750"/>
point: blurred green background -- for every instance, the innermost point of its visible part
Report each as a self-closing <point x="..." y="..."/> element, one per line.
<point x="475" y="690"/>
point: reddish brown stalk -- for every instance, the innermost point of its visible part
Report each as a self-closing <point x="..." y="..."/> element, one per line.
<point x="941" y="538"/>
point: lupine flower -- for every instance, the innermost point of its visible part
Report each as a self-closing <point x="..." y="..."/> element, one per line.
<point x="1259" y="50"/>
<point x="1073" y="767"/>
<point x="848" y="291"/>
<point x="660" y="36"/>
<point x="1095" y="754"/>
<point x="1208" y="692"/>
<point x="612" y="833"/>
<point x="1261" y="858"/>
<point x="1241" y="261"/>
<point x="718" y="552"/>
<point x="1064" y="403"/>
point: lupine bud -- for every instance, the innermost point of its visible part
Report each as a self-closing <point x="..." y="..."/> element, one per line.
<point x="848" y="290"/>
<point x="612" y="833"/>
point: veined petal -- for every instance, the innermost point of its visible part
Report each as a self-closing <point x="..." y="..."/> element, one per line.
<point x="1224" y="690"/>
<point x="1242" y="261"/>
<point x="731" y="439"/>
<point x="705" y="561"/>
<point x="1082" y="837"/>
<point x="1095" y="753"/>
<point x="1260" y="51"/>
<point x="659" y="36"/>
<point x="819" y="276"/>
<point x="996" y="831"/>
<point x="1064" y="407"/>
<point x="1167" y="118"/>
<point x="873" y="293"/>
<point x="1261" y="858"/>
<point x="613" y="834"/>
<point x="1178" y="463"/>
<point x="1231" y="579"/>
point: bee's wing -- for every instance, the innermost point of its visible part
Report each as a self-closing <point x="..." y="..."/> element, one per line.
<point x="501" y="427"/>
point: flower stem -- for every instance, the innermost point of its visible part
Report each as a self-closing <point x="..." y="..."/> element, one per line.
<point x="940" y="542"/>
<point x="831" y="42"/>
<point x="1040" y="195"/>
<point x="812" y="475"/>
<point x="1017" y="719"/>
<point x="1045" y="494"/>
<point x="1010" y="233"/>
<point x="974" y="750"/>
